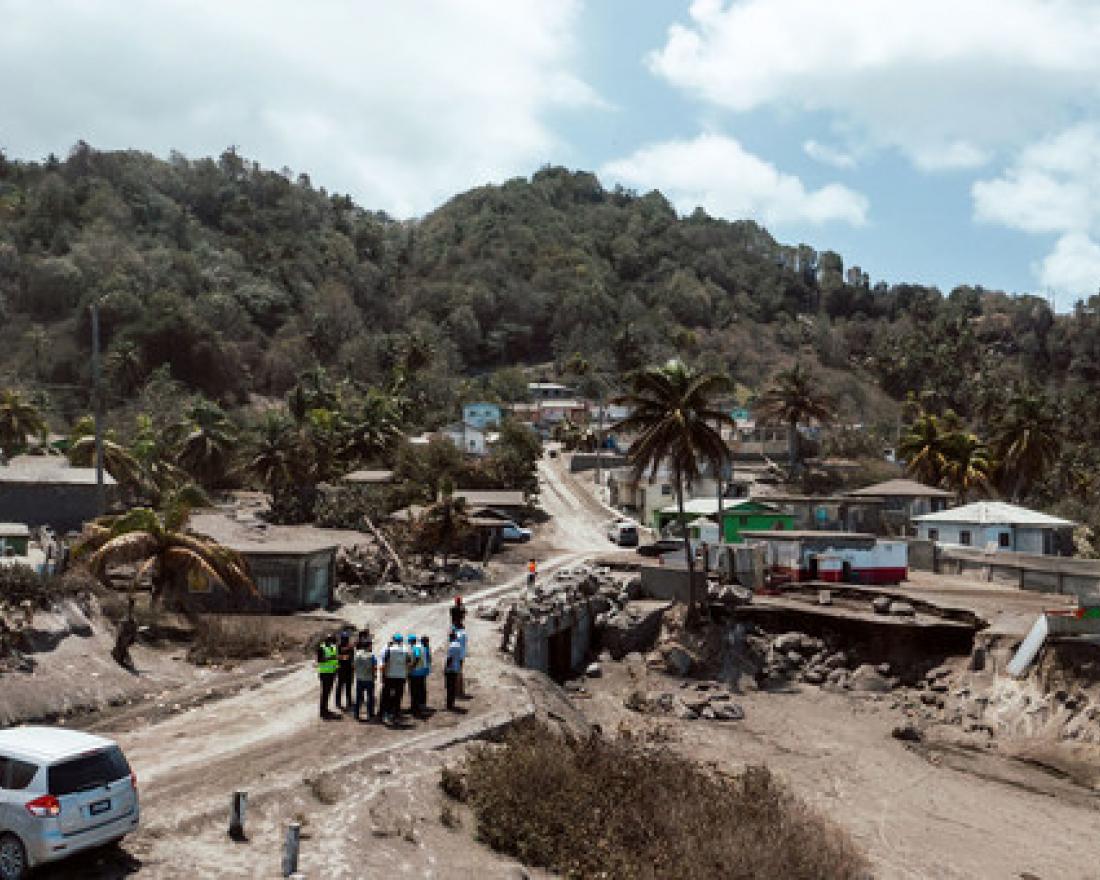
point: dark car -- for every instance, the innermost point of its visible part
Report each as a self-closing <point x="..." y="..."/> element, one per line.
<point x="661" y="547"/>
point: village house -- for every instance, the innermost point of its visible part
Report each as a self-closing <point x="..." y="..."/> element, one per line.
<point x="902" y="500"/>
<point x="45" y="490"/>
<point x="998" y="526"/>
<point x="737" y="516"/>
<point x="540" y="391"/>
<point x="481" y="415"/>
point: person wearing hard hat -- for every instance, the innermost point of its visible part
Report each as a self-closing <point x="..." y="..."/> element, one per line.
<point x="327" y="664"/>
<point x="395" y="670"/>
<point x="418" y="675"/>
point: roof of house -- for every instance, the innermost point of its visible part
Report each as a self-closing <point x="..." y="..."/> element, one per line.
<point x="408" y="514"/>
<point x="994" y="513"/>
<point x="838" y="537"/>
<point x="52" y="469"/>
<point x="14" y="530"/>
<point x="901" y="489"/>
<point x="486" y="498"/>
<point x="564" y="403"/>
<point x="781" y="498"/>
<point x="709" y="506"/>
<point x="252" y="536"/>
<point x="369" y="476"/>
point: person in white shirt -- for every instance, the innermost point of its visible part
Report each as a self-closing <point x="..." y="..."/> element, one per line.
<point x="452" y="669"/>
<point x="366" y="670"/>
<point x="460" y="634"/>
<point x="395" y="671"/>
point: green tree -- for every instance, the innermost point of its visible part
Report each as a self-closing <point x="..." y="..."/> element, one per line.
<point x="444" y="526"/>
<point x="673" y="414"/>
<point x="208" y="444"/>
<point x="19" y="418"/>
<point x="1027" y="439"/>
<point x="793" y="398"/>
<point x="966" y="464"/>
<point x="923" y="447"/>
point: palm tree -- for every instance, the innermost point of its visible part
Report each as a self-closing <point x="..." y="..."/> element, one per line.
<point x="19" y="418"/>
<point x="672" y="412"/>
<point x="923" y="447"/>
<point x="276" y="456"/>
<point x="791" y="399"/>
<point x="966" y="464"/>
<point x="1026" y="440"/>
<point x="442" y="526"/>
<point x="374" y="430"/>
<point x="167" y="553"/>
<point x="208" y="445"/>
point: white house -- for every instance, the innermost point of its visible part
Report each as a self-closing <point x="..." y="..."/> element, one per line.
<point x="996" y="525"/>
<point x="470" y="438"/>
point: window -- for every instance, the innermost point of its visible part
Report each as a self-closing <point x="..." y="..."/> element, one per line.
<point x="88" y="771"/>
<point x="666" y="489"/>
<point x="16" y="775"/>
<point x="964" y="538"/>
<point x="933" y="534"/>
<point x="744" y="520"/>
<point x="1004" y="540"/>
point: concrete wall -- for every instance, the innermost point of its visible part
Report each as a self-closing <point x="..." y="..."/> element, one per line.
<point x="922" y="554"/>
<point x="586" y="461"/>
<point x="1038" y="573"/>
<point x="669" y="582"/>
<point x="537" y="632"/>
<point x="1021" y="539"/>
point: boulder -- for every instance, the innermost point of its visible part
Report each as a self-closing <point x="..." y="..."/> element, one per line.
<point x="593" y="670"/>
<point x="678" y="660"/>
<point x="906" y="733"/>
<point x="867" y="678"/>
<point x="791" y="641"/>
<point x="881" y="604"/>
<point x="727" y="712"/>
<point x="814" y="675"/>
<point x="824" y="597"/>
<point x="883" y="669"/>
<point x="630" y="630"/>
<point x="633" y="588"/>
<point x="836" y="661"/>
<point x="794" y="658"/>
<point x="902" y="609"/>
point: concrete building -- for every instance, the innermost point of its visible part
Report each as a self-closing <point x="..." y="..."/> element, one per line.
<point x="539" y="391"/>
<point x="902" y="500"/>
<point x="44" y="490"/>
<point x="998" y="526"/>
<point x="840" y="557"/>
<point x="737" y="516"/>
<point x="15" y="538"/>
<point x="294" y="567"/>
<point x="471" y="439"/>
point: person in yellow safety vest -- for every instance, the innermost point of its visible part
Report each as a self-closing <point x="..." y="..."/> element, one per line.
<point x="328" y="661"/>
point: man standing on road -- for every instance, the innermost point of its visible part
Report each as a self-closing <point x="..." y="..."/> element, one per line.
<point x="458" y="612"/>
<point x="418" y="678"/>
<point x="395" y="669"/>
<point x="345" y="654"/>
<point x="461" y="638"/>
<point x="532" y="573"/>
<point x="366" y="668"/>
<point x="452" y="669"/>
<point x="327" y="663"/>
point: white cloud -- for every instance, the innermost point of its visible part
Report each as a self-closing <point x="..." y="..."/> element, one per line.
<point x="715" y="172"/>
<point x="400" y="104"/>
<point x="947" y="83"/>
<point x="828" y="155"/>
<point x="1073" y="267"/>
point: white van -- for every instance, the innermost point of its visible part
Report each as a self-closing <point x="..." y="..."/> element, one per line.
<point x="61" y="792"/>
<point x="623" y="532"/>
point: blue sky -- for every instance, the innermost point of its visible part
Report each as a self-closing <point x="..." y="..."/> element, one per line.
<point x="941" y="143"/>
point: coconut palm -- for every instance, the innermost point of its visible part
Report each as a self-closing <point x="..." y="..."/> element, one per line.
<point x="19" y="418"/>
<point x="966" y="464"/>
<point x="164" y="551"/>
<point x="208" y="445"/>
<point x="791" y="399"/>
<point x="1026" y="441"/>
<point x="276" y="456"/>
<point x="923" y="447"/>
<point x="373" y="431"/>
<point x="673" y="416"/>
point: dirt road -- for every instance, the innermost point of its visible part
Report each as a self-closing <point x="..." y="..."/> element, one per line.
<point x="268" y="739"/>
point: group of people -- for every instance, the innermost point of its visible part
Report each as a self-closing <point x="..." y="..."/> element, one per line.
<point x="406" y="660"/>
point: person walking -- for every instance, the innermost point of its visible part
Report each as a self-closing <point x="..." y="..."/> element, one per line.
<point x="345" y="671"/>
<point x="532" y="573"/>
<point x="418" y="678"/>
<point x="458" y="613"/>
<point x="327" y="663"/>
<point x="460" y="634"/>
<point x="366" y="670"/>
<point x="395" y="670"/>
<point x="452" y="669"/>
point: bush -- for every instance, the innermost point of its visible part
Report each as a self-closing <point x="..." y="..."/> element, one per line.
<point x="600" y="808"/>
<point x="19" y="583"/>
<point x="233" y="639"/>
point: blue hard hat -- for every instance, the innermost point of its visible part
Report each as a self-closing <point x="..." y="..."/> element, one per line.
<point x="397" y="637"/>
<point x="411" y="637"/>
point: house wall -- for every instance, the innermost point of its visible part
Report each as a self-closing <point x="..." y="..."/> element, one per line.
<point x="294" y="582"/>
<point x="481" y="415"/>
<point x="735" y="523"/>
<point x="1021" y="539"/>
<point x="1035" y="573"/>
<point x="65" y="508"/>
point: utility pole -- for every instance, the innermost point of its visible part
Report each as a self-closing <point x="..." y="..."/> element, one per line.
<point x="97" y="411"/>
<point x="599" y="436"/>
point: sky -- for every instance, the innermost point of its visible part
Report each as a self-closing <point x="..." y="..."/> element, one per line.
<point x="939" y="143"/>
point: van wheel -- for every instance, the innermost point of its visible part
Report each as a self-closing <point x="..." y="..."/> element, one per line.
<point x="13" y="858"/>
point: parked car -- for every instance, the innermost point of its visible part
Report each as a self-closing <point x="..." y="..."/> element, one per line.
<point x="661" y="547"/>
<point x="61" y="792"/>
<point x="512" y="532"/>
<point x="624" y="533"/>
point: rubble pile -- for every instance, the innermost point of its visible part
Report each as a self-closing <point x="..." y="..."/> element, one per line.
<point x="367" y="572"/>
<point x="795" y="656"/>
<point x="16" y="621"/>
<point x="704" y="700"/>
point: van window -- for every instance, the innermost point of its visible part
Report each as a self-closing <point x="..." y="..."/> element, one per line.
<point x="16" y="775"/>
<point x="88" y="771"/>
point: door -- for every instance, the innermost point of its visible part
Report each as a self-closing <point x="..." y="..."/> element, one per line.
<point x="317" y="582"/>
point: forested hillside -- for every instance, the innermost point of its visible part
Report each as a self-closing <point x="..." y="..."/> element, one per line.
<point x="229" y="280"/>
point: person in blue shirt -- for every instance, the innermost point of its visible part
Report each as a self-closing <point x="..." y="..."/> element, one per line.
<point x="452" y="669"/>
<point x="418" y="677"/>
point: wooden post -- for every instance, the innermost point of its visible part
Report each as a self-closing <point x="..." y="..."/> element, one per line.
<point x="236" y="815"/>
<point x="290" y="849"/>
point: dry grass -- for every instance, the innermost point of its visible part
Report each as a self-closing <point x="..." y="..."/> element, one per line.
<point x="604" y="808"/>
<point x="231" y="639"/>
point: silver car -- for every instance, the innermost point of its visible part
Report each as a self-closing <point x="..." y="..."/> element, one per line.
<point x="61" y="791"/>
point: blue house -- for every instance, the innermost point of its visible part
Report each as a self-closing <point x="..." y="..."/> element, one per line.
<point x="481" y="415"/>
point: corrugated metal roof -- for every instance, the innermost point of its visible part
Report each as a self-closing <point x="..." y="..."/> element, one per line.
<point x="994" y="513"/>
<point x="14" y="530"/>
<point x="901" y="489"/>
<point x="49" y="469"/>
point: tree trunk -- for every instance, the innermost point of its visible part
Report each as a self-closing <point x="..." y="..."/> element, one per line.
<point x="792" y="445"/>
<point x="692" y="611"/>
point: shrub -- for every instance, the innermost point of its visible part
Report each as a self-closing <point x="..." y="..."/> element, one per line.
<point x="233" y="639"/>
<point x="595" y="807"/>
<point x="19" y="583"/>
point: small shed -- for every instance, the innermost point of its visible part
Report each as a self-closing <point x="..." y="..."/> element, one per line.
<point x="14" y="539"/>
<point x="998" y="526"/>
<point x="45" y="490"/>
<point x="294" y="567"/>
<point x="849" y="557"/>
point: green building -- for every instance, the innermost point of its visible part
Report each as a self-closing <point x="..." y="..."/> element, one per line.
<point x="14" y="539"/>
<point x="738" y="515"/>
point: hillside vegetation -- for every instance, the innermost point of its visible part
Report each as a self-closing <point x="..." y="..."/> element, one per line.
<point x="219" y="278"/>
